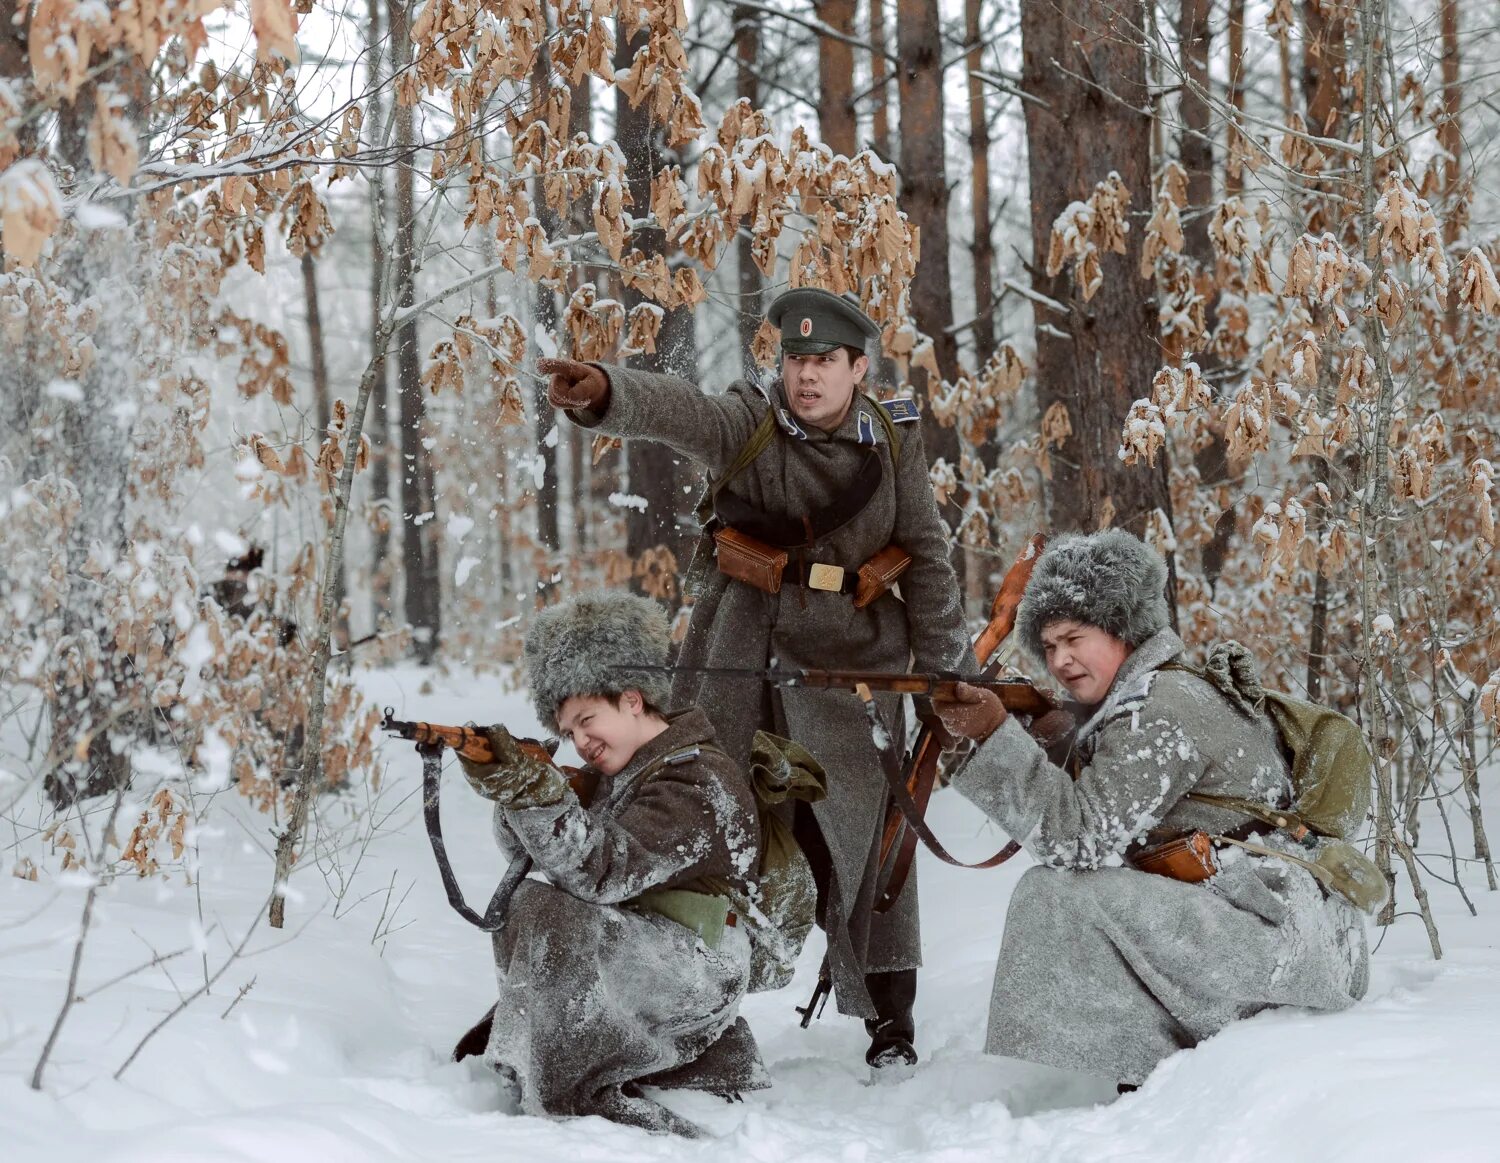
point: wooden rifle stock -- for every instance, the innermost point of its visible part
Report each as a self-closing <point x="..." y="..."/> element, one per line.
<point x="474" y="745"/>
<point x="923" y="767"/>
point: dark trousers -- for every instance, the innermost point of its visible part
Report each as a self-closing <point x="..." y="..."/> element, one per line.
<point x="893" y="993"/>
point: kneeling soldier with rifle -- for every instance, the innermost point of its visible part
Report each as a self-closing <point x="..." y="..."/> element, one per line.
<point x="626" y="965"/>
<point x="819" y="499"/>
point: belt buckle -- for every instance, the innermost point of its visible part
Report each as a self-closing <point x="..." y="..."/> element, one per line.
<point x="825" y="577"/>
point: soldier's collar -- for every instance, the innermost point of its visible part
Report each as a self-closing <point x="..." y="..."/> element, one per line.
<point x="775" y="397"/>
<point x="860" y="424"/>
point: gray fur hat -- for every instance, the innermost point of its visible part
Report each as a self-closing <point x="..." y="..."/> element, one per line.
<point x="1110" y="579"/>
<point x="570" y="648"/>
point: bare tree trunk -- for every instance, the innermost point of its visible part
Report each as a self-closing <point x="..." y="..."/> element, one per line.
<point x="1469" y="762"/>
<point x="924" y="197"/>
<point x="836" y="76"/>
<point x="1096" y="357"/>
<point x="547" y="532"/>
<point x="310" y="771"/>
<point x="1451" y="141"/>
<point x="983" y="248"/>
<point x="1196" y="154"/>
<point x="1375" y="490"/>
<point x="1325" y="28"/>
<point x="321" y="394"/>
<point x="381" y="562"/>
<point x="880" y="124"/>
<point x="752" y="283"/>
<point x="316" y="352"/>
<point x="418" y="490"/>
<point x="581" y="115"/>
<point x="651" y="466"/>
<point x="1234" y="174"/>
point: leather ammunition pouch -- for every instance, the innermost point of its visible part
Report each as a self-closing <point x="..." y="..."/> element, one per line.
<point x="879" y="574"/>
<point x="1189" y="858"/>
<point x="748" y="560"/>
<point x="757" y="564"/>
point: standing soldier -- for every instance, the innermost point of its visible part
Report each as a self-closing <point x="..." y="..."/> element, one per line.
<point x="819" y="498"/>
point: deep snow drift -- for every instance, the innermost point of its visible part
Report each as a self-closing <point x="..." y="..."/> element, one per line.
<point x="339" y="1049"/>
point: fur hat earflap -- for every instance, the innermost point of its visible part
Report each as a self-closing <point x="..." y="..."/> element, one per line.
<point x="571" y="648"/>
<point x="1110" y="579"/>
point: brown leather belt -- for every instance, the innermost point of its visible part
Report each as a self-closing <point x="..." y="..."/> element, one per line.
<point x="815" y="575"/>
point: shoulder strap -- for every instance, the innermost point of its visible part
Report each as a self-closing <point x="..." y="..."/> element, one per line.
<point x="891" y="434"/>
<point x="759" y="441"/>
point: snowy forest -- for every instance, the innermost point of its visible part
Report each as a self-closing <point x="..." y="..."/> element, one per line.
<point x="275" y="454"/>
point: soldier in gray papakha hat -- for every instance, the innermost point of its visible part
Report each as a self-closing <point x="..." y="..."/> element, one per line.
<point x="818" y="500"/>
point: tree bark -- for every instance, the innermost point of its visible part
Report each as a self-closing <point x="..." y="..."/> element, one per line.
<point x="316" y="352"/>
<point x="1196" y="155"/>
<point x="418" y="491"/>
<point x="751" y="283"/>
<point x="836" y="77"/>
<point x="924" y="197"/>
<point x="1100" y="356"/>
<point x="322" y="396"/>
<point x="1234" y="175"/>
<point x="547" y="316"/>
<point x="1451" y="141"/>
<point x="651" y="467"/>
<point x="880" y="120"/>
<point x="983" y="247"/>
<point x="381" y="563"/>
<point x="581" y="115"/>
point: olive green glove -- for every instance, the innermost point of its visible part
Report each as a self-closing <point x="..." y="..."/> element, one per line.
<point x="515" y="779"/>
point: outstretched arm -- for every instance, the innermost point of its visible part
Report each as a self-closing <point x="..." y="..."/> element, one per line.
<point x="619" y="401"/>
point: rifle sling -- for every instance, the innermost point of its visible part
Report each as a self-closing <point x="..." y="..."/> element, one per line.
<point x="912" y="811"/>
<point x="495" y="915"/>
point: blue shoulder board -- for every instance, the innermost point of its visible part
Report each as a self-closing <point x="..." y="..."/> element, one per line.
<point x="901" y="410"/>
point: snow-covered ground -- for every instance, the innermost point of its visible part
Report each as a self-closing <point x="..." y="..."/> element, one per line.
<point x="339" y="1049"/>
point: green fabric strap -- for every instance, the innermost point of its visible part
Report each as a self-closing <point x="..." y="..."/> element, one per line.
<point x="707" y="915"/>
<point x="760" y="440"/>
<point x="1287" y="821"/>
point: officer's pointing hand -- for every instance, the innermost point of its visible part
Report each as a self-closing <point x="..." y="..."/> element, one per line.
<point x="972" y="712"/>
<point x="575" y="385"/>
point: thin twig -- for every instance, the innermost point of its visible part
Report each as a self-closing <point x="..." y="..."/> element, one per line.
<point x="239" y="997"/>
<point x="197" y="993"/>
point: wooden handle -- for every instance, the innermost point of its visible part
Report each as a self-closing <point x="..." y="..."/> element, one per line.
<point x="472" y="744"/>
<point x="1008" y="600"/>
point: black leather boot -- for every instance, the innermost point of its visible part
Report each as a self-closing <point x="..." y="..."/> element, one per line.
<point x="893" y="1032"/>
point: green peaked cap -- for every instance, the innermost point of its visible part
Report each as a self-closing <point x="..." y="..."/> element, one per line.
<point x="813" y="321"/>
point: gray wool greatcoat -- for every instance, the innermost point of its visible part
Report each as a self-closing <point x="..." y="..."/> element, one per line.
<point x="596" y="998"/>
<point x="736" y="625"/>
<point x="1107" y="970"/>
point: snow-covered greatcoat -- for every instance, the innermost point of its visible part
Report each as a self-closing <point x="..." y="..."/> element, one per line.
<point x="1106" y="969"/>
<point x="596" y="998"/>
<point x="736" y="625"/>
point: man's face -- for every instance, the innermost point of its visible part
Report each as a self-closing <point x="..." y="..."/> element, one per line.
<point x="1085" y="659"/>
<point x="607" y="734"/>
<point x="820" y="388"/>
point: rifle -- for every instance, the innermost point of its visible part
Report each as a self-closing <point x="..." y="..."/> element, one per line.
<point x="911" y="786"/>
<point x="904" y="821"/>
<point x="469" y="742"/>
<point x="1018" y="696"/>
<point x="474" y="746"/>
